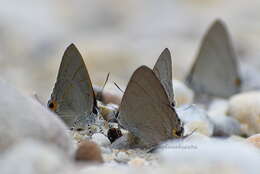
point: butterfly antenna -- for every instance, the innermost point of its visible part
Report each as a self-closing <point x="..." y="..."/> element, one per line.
<point x="37" y="98"/>
<point x="118" y="87"/>
<point x="188" y="107"/>
<point x="188" y="135"/>
<point x="108" y="74"/>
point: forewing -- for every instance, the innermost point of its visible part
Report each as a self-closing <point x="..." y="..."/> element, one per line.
<point x="145" y="109"/>
<point x="73" y="93"/>
<point x="215" y="69"/>
<point x="163" y="71"/>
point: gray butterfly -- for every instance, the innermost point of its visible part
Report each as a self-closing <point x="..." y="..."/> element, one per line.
<point x="163" y="71"/>
<point x="146" y="111"/>
<point x="73" y="96"/>
<point x="215" y="70"/>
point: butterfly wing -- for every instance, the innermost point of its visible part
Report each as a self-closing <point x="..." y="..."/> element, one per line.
<point x="145" y="109"/>
<point x="215" y="70"/>
<point x="73" y="95"/>
<point x="163" y="71"/>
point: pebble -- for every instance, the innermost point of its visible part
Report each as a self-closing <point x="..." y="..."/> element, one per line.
<point x="100" y="139"/>
<point x="218" y="107"/>
<point x="122" y="157"/>
<point x="212" y="155"/>
<point x="182" y="94"/>
<point x="225" y="126"/>
<point x="24" y="118"/>
<point x="137" y="162"/>
<point x="196" y="119"/>
<point x="255" y="140"/>
<point x="88" y="152"/>
<point x="245" y="107"/>
<point x="30" y="157"/>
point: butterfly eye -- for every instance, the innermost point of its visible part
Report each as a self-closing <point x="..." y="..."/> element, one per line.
<point x="238" y="82"/>
<point x="52" y="105"/>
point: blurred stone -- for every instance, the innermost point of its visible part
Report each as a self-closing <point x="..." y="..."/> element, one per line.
<point x="100" y="139"/>
<point x="182" y="94"/>
<point x="137" y="162"/>
<point x="236" y="138"/>
<point x="225" y="126"/>
<point x="218" y="107"/>
<point x="245" y="107"/>
<point x="195" y="119"/>
<point x="24" y="118"/>
<point x="88" y="152"/>
<point x="255" y="140"/>
<point x="218" y="155"/>
<point x="250" y="77"/>
<point x="122" y="157"/>
<point x="116" y="169"/>
<point x="30" y="157"/>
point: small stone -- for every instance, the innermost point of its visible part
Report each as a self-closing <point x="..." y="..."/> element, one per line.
<point x="88" y="152"/>
<point x="195" y="119"/>
<point x="255" y="140"/>
<point x="245" y="108"/>
<point x="100" y="139"/>
<point x="225" y="126"/>
<point x="122" y="157"/>
<point x="137" y="162"/>
<point x="218" y="107"/>
<point x="182" y="94"/>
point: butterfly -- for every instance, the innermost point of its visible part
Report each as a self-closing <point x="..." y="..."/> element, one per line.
<point x="163" y="71"/>
<point x="73" y="96"/>
<point x="146" y="110"/>
<point x="215" y="70"/>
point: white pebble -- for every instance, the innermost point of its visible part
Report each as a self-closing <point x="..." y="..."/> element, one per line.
<point x="24" y="118"/>
<point x="100" y="139"/>
<point x="245" y="107"/>
<point x="207" y="156"/>
<point x="218" y="107"/>
<point x="225" y="126"/>
<point x="31" y="157"/>
<point x="122" y="157"/>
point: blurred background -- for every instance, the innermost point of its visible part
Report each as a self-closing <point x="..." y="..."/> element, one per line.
<point x="115" y="36"/>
